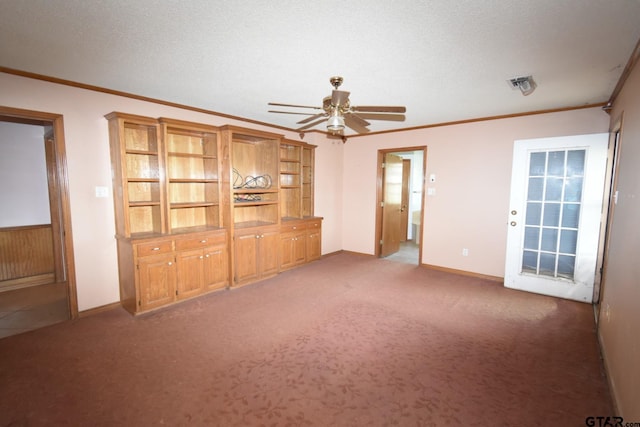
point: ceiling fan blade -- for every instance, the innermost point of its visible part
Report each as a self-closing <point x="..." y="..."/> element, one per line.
<point x="293" y="105"/>
<point x="355" y="123"/>
<point x="380" y="109"/>
<point x="287" y="112"/>
<point x="353" y="117"/>
<point x="312" y="124"/>
<point x="311" y="118"/>
<point x="339" y="97"/>
<point x="383" y="116"/>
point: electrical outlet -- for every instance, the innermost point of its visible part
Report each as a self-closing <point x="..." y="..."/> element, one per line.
<point x="465" y="252"/>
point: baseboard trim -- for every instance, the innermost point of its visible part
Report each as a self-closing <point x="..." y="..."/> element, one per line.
<point x="96" y="310"/>
<point x="610" y="383"/>
<point x="25" y="282"/>
<point x="464" y="273"/>
<point x="342" y="251"/>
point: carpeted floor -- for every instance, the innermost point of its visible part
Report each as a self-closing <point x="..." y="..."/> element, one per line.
<point x="345" y="341"/>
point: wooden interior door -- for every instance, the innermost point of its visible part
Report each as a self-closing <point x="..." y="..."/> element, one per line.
<point x="404" y="204"/>
<point x="391" y="205"/>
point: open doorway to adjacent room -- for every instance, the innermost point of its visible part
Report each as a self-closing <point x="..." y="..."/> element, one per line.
<point x="400" y="201"/>
<point x="37" y="280"/>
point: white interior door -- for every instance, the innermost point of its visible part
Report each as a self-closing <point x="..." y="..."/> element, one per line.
<point x="555" y="212"/>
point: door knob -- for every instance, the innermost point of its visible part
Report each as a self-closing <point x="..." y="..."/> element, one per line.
<point x="513" y="212"/>
<point x="513" y="223"/>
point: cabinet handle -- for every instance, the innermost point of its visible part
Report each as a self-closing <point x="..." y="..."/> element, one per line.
<point x="207" y="255"/>
<point x="201" y="257"/>
<point x="203" y="241"/>
<point x="155" y="249"/>
<point x="295" y="228"/>
<point x="169" y="263"/>
<point x="261" y="236"/>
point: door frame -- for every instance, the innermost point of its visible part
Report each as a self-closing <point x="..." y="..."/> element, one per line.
<point x="379" y="194"/>
<point x="608" y="208"/>
<point x="56" y="169"/>
<point x="406" y="198"/>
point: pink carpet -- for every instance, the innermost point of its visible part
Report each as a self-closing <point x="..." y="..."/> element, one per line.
<point x="345" y="341"/>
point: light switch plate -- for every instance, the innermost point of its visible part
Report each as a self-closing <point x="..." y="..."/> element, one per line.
<point x="102" y="192"/>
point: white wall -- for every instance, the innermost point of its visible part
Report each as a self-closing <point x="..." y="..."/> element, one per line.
<point x="24" y="192"/>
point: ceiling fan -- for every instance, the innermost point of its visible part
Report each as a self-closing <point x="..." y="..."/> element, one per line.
<point x="338" y="112"/>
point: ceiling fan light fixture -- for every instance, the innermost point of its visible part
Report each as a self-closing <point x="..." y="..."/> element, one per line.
<point x="335" y="122"/>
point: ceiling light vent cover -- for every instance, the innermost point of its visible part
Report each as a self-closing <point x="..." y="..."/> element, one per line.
<point x="524" y="84"/>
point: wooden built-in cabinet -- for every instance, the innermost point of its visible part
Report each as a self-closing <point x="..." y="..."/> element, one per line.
<point x="200" y="208"/>
<point x="300" y="242"/>
<point x="256" y="254"/>
<point x="255" y="202"/>
<point x="192" y="166"/>
<point x="293" y="244"/>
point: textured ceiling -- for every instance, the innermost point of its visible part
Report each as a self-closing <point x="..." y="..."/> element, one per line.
<point x="444" y="60"/>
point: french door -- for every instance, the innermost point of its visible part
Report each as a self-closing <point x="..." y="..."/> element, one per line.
<point x="554" y="217"/>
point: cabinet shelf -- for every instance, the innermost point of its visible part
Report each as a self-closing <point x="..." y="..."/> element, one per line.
<point x="252" y="224"/>
<point x="255" y="202"/>
<point x="143" y="180"/>
<point x="254" y="190"/>
<point x="191" y="155"/>
<point x="192" y="205"/>
<point x="143" y="204"/>
<point x="141" y="152"/>
<point x="192" y="180"/>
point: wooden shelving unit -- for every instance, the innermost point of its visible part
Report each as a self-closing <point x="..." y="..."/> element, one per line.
<point x="308" y="159"/>
<point x="137" y="161"/>
<point x="192" y="175"/>
<point x="254" y="202"/>
<point x="291" y="180"/>
<point x="200" y="208"/>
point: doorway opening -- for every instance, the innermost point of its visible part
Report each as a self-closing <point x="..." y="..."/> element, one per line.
<point x="400" y="201"/>
<point x="37" y="276"/>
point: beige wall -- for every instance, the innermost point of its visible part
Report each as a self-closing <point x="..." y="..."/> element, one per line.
<point x="619" y="322"/>
<point x="87" y="146"/>
<point x="472" y="164"/>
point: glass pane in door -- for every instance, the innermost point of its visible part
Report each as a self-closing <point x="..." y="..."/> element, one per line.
<point x="554" y="197"/>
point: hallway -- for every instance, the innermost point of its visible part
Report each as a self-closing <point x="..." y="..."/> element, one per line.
<point x="35" y="307"/>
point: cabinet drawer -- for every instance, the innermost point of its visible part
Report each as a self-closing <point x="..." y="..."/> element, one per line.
<point x="201" y="241"/>
<point x="314" y="224"/>
<point x="285" y="228"/>
<point x="154" y="248"/>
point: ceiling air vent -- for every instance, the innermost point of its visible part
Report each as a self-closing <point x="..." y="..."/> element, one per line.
<point x="526" y="85"/>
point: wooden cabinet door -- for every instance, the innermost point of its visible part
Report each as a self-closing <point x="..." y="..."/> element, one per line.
<point x="299" y="248"/>
<point x="268" y="253"/>
<point x="156" y="281"/>
<point x="287" y="251"/>
<point x="216" y="269"/>
<point x="190" y="273"/>
<point x="313" y="245"/>
<point x="245" y="257"/>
